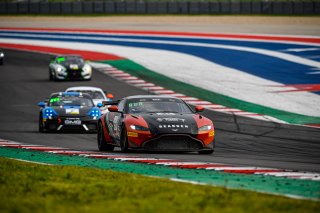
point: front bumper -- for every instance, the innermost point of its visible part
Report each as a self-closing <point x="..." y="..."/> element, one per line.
<point x="172" y="142"/>
<point x="73" y="75"/>
<point x="71" y="123"/>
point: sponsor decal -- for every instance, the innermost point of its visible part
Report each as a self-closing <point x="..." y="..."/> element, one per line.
<point x="181" y="126"/>
<point x="72" y="111"/>
<point x="132" y="134"/>
<point x="211" y="133"/>
<point x="165" y="113"/>
<point x="170" y="119"/>
<point x="74" y="66"/>
<point x="72" y="121"/>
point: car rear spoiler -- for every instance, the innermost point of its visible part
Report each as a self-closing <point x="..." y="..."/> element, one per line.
<point x="106" y="103"/>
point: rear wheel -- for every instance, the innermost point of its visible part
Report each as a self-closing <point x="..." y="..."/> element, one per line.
<point x="124" y="140"/>
<point x="102" y="143"/>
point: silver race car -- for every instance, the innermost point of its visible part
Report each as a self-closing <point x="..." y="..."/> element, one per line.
<point x="69" y="67"/>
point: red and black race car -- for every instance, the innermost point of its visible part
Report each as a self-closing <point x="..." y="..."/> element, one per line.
<point x="155" y="123"/>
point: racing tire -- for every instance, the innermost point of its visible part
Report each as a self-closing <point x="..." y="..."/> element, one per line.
<point x="102" y="143"/>
<point x="41" y="127"/>
<point x="124" y="140"/>
<point x="50" y="76"/>
<point x="208" y="151"/>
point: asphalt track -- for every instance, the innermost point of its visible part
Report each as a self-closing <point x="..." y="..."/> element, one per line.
<point x="240" y="141"/>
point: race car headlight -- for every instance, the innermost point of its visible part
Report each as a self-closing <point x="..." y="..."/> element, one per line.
<point x="1" y="54"/>
<point x="95" y="113"/>
<point x="205" y="128"/>
<point x="87" y="69"/>
<point x="140" y="128"/>
<point x="60" y="69"/>
<point x="49" y="113"/>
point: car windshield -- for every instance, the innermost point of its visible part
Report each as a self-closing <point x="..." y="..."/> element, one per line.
<point x="93" y="94"/>
<point x="64" y="60"/>
<point x="157" y="105"/>
<point x="70" y="101"/>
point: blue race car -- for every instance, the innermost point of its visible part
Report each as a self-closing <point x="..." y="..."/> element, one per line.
<point x="69" y="111"/>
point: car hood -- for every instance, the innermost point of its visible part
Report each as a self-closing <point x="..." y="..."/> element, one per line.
<point x="170" y="123"/>
<point x="74" y="66"/>
<point x="72" y="111"/>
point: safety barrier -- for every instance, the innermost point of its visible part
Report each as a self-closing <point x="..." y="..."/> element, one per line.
<point x="163" y="7"/>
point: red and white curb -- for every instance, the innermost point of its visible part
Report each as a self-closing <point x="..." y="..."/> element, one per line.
<point x="285" y="173"/>
<point x="158" y="90"/>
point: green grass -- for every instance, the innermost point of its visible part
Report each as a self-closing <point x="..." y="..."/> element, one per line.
<point x="26" y="187"/>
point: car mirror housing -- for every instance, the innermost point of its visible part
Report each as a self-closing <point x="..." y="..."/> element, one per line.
<point x="41" y="104"/>
<point x="113" y="108"/>
<point x="199" y="108"/>
<point x="110" y="96"/>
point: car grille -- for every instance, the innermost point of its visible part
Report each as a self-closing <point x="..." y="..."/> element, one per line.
<point x="74" y="74"/>
<point x="173" y="142"/>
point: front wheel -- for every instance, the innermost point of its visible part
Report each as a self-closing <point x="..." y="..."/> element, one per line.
<point x="124" y="140"/>
<point x="102" y="143"/>
<point x="41" y="127"/>
<point x="208" y="151"/>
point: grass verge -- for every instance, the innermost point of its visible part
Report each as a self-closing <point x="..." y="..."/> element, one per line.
<point x="26" y="187"/>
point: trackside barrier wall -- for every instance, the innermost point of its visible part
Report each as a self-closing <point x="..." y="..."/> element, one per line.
<point x="163" y="7"/>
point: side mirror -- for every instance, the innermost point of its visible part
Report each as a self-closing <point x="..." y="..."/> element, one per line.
<point x="99" y="105"/>
<point x="199" y="108"/>
<point x="110" y="96"/>
<point x="52" y="58"/>
<point x="41" y="104"/>
<point x="113" y="108"/>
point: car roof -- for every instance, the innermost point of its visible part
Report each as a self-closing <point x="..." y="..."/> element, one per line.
<point x="85" y="88"/>
<point x="150" y="96"/>
<point x="76" y="94"/>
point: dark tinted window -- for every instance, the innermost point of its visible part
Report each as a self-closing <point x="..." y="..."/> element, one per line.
<point x="70" y="101"/>
<point x="156" y="105"/>
<point x="93" y="94"/>
<point x="64" y="60"/>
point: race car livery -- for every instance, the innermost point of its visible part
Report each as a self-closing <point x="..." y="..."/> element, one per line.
<point x="69" y="67"/>
<point x="68" y="111"/>
<point x="155" y="123"/>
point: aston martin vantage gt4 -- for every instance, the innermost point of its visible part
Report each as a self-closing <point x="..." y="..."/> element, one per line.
<point x="155" y="123"/>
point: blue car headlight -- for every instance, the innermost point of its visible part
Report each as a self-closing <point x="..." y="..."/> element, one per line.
<point x="95" y="113"/>
<point x="49" y="113"/>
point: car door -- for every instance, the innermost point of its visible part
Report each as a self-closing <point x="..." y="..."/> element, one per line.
<point x="118" y="120"/>
<point x="113" y="123"/>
